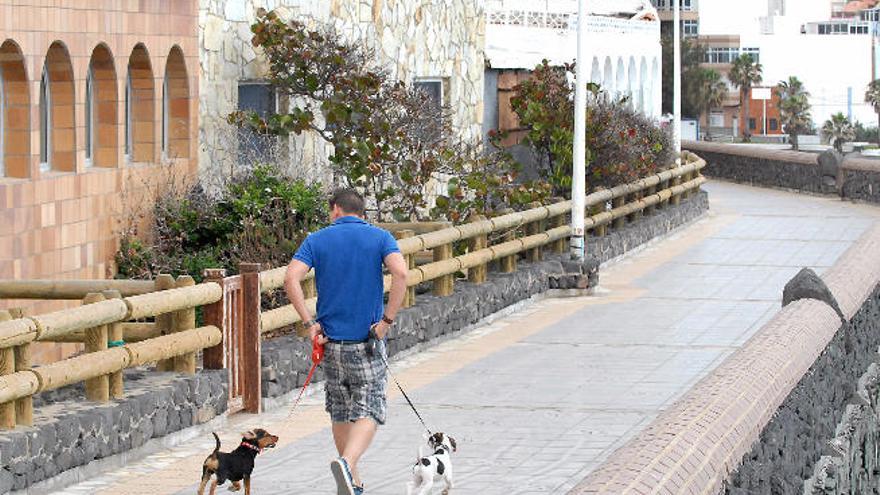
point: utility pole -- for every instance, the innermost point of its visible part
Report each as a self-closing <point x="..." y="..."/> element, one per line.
<point x="579" y="165"/>
<point x="676" y="74"/>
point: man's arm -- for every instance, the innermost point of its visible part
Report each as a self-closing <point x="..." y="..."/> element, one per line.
<point x="296" y="271"/>
<point x="398" y="268"/>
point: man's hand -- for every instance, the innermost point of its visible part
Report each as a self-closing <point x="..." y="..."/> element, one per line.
<point x="381" y="329"/>
<point x="316" y="330"/>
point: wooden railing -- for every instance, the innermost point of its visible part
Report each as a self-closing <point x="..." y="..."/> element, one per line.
<point x="100" y="324"/>
<point x="113" y="311"/>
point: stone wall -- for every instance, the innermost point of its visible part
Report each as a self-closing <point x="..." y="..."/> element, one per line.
<point x="855" y="178"/>
<point x="411" y="38"/>
<point x="69" y="431"/>
<point x="286" y="360"/>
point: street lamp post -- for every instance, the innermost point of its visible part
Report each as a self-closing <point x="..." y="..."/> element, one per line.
<point x="579" y="166"/>
<point x="676" y="74"/>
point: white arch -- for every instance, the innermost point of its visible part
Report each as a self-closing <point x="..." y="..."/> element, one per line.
<point x="644" y="85"/>
<point x="608" y="81"/>
<point x="656" y="88"/>
<point x="596" y="72"/>
<point x="621" y="79"/>
<point x="633" y="83"/>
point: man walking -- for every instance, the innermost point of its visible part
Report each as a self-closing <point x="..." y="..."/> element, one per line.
<point x="347" y="257"/>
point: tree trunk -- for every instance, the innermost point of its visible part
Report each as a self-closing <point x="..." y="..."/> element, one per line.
<point x="794" y="142"/>
<point x="747" y="132"/>
<point x="878" y="127"/>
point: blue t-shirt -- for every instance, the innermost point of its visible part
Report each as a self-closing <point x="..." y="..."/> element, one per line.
<point x="347" y="257"/>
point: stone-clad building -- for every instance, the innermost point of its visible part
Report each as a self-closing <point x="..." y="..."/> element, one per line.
<point x="436" y="44"/>
<point x="97" y="100"/>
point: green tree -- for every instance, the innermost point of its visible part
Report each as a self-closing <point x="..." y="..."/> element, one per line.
<point x="794" y="109"/>
<point x="839" y="130"/>
<point x="745" y="74"/>
<point x="709" y="92"/>
<point x="872" y="96"/>
<point x="692" y="56"/>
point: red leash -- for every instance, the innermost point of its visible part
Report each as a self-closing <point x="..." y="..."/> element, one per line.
<point x="317" y="357"/>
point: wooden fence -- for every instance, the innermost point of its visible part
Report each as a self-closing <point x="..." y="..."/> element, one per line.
<point x="233" y="315"/>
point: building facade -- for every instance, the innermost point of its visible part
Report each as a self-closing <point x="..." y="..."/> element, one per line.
<point x="624" y="51"/>
<point x="829" y="48"/>
<point x="97" y="103"/>
<point x="435" y="44"/>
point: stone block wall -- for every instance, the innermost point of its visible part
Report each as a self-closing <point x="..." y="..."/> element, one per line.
<point x="411" y="38"/>
<point x="286" y="360"/>
<point x="856" y="178"/>
<point x="69" y="431"/>
<point x="60" y="220"/>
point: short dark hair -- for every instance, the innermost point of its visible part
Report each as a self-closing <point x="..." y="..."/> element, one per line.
<point x="349" y="201"/>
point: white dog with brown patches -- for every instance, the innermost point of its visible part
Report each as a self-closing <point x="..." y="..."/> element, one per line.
<point x="432" y="468"/>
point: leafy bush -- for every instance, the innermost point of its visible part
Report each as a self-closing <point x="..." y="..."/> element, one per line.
<point x="865" y="134"/>
<point x="262" y="217"/>
<point x="622" y="143"/>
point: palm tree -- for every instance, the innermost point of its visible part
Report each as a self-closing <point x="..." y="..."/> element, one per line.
<point x="711" y="92"/>
<point x="746" y="73"/>
<point x="839" y="130"/>
<point x="794" y="109"/>
<point x="872" y="96"/>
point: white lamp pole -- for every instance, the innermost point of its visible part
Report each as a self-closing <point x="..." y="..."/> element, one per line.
<point x="578" y="173"/>
<point x="676" y="74"/>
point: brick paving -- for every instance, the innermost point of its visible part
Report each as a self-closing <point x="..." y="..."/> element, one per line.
<point x="539" y="399"/>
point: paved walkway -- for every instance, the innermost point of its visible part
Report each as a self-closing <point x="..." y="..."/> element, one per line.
<point x="538" y="399"/>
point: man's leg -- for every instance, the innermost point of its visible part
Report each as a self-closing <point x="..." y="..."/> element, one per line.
<point x="360" y="435"/>
<point x="340" y="436"/>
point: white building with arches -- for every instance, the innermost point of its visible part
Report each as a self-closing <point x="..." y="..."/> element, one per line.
<point x="624" y="49"/>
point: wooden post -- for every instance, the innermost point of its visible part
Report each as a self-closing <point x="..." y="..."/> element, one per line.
<point x="164" y="322"/>
<point x="650" y="192"/>
<point x="98" y="388"/>
<point x="115" y="338"/>
<point x="477" y="274"/>
<point x="508" y="263"/>
<point x="409" y="299"/>
<point x="560" y="245"/>
<point x="250" y="339"/>
<point x="676" y="198"/>
<point x="24" y="407"/>
<point x="7" y="367"/>
<point x="212" y="357"/>
<point x="185" y="319"/>
<point x="443" y="285"/>
<point x="536" y="253"/>
<point x="617" y="203"/>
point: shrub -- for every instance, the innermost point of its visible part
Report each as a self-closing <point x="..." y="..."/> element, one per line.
<point x="261" y="216"/>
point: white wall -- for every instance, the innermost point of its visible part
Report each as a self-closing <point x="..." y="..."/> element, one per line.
<point x="827" y="65"/>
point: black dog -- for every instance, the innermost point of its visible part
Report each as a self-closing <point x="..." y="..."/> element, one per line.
<point x="236" y="465"/>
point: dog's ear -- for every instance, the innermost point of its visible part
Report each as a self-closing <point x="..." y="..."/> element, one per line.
<point x="452" y="441"/>
<point x="248" y="435"/>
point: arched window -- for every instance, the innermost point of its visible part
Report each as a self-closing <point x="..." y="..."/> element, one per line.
<point x="90" y="112"/>
<point x="45" y="120"/>
<point x="57" y="120"/>
<point x="15" y="111"/>
<point x="140" y="134"/>
<point x="101" y="109"/>
<point x="175" y="106"/>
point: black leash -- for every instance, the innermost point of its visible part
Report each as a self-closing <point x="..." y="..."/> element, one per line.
<point x="371" y="349"/>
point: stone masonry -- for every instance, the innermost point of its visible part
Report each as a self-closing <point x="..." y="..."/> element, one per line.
<point x="412" y="39"/>
<point x="70" y="432"/>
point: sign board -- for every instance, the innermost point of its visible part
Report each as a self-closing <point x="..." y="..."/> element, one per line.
<point x="762" y="93"/>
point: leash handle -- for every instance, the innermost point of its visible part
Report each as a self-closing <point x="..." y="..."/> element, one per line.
<point x="317" y="357"/>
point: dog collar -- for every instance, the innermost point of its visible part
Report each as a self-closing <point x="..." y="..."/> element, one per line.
<point x="252" y="447"/>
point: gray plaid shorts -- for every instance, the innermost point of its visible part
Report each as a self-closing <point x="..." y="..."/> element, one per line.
<point x="354" y="382"/>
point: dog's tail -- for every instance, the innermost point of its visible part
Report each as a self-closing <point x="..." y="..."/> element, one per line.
<point x="217" y="447"/>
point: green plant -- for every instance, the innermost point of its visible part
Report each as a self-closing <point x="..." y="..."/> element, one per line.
<point x="794" y="109"/>
<point x="709" y="93"/>
<point x="872" y="96"/>
<point x="838" y="130"/>
<point x="865" y="134"/>
<point x="745" y="73"/>
<point x="693" y="55"/>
